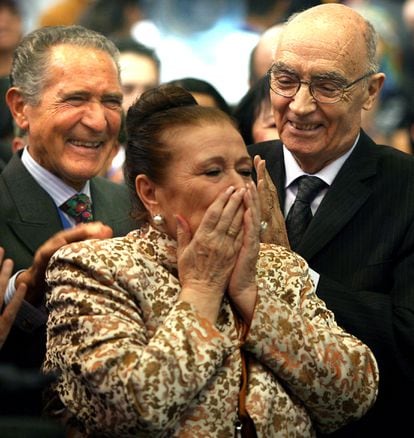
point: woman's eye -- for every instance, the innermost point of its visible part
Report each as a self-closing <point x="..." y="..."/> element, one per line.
<point x="213" y="172"/>
<point x="246" y="172"/>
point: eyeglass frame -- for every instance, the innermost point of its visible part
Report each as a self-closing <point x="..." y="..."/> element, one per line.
<point x="342" y="89"/>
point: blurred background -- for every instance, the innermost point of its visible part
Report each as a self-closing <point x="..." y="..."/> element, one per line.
<point x="216" y="41"/>
<point x="207" y="39"/>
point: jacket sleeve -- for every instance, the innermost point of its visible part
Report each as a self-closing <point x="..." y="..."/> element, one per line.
<point x="119" y="371"/>
<point x="333" y="373"/>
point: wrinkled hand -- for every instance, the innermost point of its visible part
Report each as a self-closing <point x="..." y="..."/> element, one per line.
<point x="271" y="212"/>
<point x="206" y="259"/>
<point x="34" y="277"/>
<point x="242" y="288"/>
<point x="9" y="314"/>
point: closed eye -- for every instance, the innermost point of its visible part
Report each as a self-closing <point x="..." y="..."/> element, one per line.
<point x="75" y="100"/>
<point x="286" y="81"/>
<point x="113" y="103"/>
<point x="213" y="172"/>
<point x="246" y="172"/>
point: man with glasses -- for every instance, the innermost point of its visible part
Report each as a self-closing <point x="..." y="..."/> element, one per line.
<point x="355" y="224"/>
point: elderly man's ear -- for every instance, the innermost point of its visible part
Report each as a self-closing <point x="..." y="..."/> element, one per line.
<point x="17" y="107"/>
<point x="375" y="83"/>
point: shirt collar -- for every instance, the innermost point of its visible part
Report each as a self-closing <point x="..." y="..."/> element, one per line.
<point x="327" y="174"/>
<point x="54" y="186"/>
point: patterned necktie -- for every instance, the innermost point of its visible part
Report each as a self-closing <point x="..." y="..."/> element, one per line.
<point x="79" y="207"/>
<point x="300" y="214"/>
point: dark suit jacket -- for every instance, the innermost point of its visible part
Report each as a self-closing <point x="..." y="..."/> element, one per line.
<point x="28" y="217"/>
<point x="361" y="242"/>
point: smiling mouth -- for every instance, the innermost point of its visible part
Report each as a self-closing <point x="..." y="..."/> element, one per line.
<point x="305" y="126"/>
<point x="86" y="144"/>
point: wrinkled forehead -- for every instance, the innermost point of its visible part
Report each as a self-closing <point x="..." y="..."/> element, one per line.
<point x="334" y="42"/>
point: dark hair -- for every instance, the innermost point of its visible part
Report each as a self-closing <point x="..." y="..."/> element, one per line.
<point x="249" y="107"/>
<point x="108" y="17"/>
<point x="252" y="68"/>
<point x="13" y="6"/>
<point x="129" y="44"/>
<point x="195" y="85"/>
<point x="157" y="112"/>
<point x="262" y="7"/>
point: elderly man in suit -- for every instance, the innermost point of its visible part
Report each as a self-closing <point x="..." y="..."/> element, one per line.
<point x="355" y="226"/>
<point x="66" y="94"/>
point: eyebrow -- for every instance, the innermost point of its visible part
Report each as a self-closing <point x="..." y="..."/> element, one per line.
<point x="220" y="159"/>
<point x="280" y="67"/>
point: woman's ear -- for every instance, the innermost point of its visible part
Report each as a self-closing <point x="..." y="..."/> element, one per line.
<point x="17" y="106"/>
<point x="375" y="83"/>
<point x="146" y="190"/>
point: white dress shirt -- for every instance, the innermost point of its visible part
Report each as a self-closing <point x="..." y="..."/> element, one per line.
<point x="327" y="174"/>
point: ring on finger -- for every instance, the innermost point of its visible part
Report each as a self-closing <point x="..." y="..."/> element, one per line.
<point x="263" y="225"/>
<point x="231" y="233"/>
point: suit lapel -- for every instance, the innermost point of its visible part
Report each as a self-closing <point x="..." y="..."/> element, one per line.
<point x="273" y="154"/>
<point x="37" y="217"/>
<point x="110" y="207"/>
<point x="349" y="191"/>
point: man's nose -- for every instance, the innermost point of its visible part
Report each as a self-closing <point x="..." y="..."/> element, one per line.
<point x="94" y="117"/>
<point x="303" y="102"/>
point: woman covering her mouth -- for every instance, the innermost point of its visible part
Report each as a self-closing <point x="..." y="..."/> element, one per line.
<point x="189" y="326"/>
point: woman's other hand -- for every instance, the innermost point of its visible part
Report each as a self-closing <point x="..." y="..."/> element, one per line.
<point x="242" y="287"/>
<point x="273" y="228"/>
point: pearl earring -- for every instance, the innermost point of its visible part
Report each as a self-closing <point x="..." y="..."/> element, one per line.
<point x="158" y="219"/>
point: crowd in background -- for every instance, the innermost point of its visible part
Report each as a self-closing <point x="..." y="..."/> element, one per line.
<point x="215" y="43"/>
<point x="220" y="52"/>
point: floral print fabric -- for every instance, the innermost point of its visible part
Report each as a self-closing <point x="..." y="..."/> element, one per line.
<point x="132" y="360"/>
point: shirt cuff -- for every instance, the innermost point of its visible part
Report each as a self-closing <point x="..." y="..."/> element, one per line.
<point x="314" y="277"/>
<point x="29" y="317"/>
<point x="11" y="287"/>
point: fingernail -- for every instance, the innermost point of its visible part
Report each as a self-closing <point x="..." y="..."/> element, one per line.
<point x="230" y="190"/>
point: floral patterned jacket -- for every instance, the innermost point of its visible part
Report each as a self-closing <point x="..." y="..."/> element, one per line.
<point x="134" y="361"/>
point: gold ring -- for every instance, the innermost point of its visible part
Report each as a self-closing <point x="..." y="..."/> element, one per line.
<point x="263" y="226"/>
<point x="231" y="233"/>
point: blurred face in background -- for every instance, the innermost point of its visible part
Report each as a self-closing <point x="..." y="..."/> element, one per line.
<point x="204" y="99"/>
<point x="138" y="74"/>
<point x="264" y="127"/>
<point x="10" y="28"/>
<point x="11" y="31"/>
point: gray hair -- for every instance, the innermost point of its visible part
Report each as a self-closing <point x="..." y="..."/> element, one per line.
<point x="371" y="40"/>
<point x="31" y="57"/>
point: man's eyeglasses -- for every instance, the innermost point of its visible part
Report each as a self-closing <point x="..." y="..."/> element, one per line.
<point x="322" y="90"/>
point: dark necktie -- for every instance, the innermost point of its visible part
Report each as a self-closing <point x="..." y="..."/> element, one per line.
<point x="79" y="207"/>
<point x="300" y="214"/>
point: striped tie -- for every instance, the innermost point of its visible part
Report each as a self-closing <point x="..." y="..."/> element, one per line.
<point x="300" y="214"/>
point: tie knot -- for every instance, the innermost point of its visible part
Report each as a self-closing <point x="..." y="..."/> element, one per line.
<point x="309" y="187"/>
<point x="79" y="207"/>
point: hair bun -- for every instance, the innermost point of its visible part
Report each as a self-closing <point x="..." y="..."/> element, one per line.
<point x="159" y="99"/>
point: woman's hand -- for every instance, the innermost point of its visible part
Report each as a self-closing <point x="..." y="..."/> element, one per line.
<point x="242" y="287"/>
<point x="271" y="213"/>
<point x="207" y="259"/>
